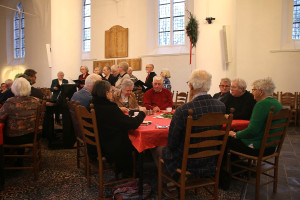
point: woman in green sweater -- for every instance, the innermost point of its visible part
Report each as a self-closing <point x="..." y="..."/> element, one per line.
<point x="249" y="140"/>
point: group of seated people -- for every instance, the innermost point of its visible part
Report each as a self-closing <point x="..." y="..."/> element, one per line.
<point x="113" y="101"/>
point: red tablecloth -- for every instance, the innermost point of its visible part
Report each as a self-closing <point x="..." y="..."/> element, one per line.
<point x="148" y="137"/>
<point x="1" y="133"/>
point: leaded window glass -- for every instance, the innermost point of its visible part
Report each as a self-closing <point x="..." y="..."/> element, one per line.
<point x="296" y="20"/>
<point x="171" y="22"/>
<point x="86" y="26"/>
<point x="19" y="32"/>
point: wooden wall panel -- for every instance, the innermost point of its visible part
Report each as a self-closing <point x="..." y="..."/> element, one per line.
<point x="116" y="42"/>
<point x="102" y="63"/>
<point x="135" y="63"/>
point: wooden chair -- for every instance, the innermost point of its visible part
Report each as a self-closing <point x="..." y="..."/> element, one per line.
<point x="276" y="128"/>
<point x="289" y="100"/>
<point x="139" y="94"/>
<point x="181" y="98"/>
<point x="35" y="153"/>
<point x="88" y="127"/>
<point x="80" y="148"/>
<point x="276" y="95"/>
<point x="210" y="119"/>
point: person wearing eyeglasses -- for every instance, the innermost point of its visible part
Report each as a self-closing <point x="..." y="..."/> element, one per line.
<point x="224" y="86"/>
<point x="240" y="99"/>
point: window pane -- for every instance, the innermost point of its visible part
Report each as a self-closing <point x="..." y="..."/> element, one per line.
<point x="178" y="23"/>
<point x="17" y="53"/>
<point x="17" y="34"/>
<point x="178" y="38"/>
<point x="23" y="43"/>
<point x="86" y="45"/>
<point x="178" y="9"/>
<point x="17" y="43"/>
<point x="164" y="1"/>
<point x="164" y="38"/>
<point x="87" y="22"/>
<point x="87" y="1"/>
<point x="178" y="1"/>
<point x="23" y="52"/>
<point x="164" y="25"/>
<point x="164" y="11"/>
<point x="87" y="34"/>
<point x="296" y="20"/>
<point x="17" y="25"/>
<point x="87" y="10"/>
<point x="22" y="33"/>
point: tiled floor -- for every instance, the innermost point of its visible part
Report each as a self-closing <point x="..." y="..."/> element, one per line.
<point x="289" y="171"/>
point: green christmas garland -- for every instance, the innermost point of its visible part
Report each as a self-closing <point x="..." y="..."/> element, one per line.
<point x="192" y="29"/>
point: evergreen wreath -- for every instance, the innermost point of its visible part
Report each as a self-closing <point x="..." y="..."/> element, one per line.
<point x="192" y="29"/>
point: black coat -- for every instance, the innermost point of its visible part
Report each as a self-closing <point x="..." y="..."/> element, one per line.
<point x="149" y="81"/>
<point x="113" y="126"/>
<point x="55" y="83"/>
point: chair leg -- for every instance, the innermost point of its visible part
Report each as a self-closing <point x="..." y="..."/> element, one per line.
<point x="78" y="154"/>
<point x="275" y="175"/>
<point x="257" y="185"/>
<point x="159" y="180"/>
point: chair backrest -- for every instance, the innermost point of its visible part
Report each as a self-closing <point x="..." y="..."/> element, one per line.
<point x="275" y="131"/>
<point x="40" y="114"/>
<point x="214" y="139"/>
<point x="181" y="98"/>
<point x="139" y="95"/>
<point x="88" y="127"/>
<point x="298" y="101"/>
<point x="72" y="106"/>
<point x="288" y="99"/>
<point x="276" y="95"/>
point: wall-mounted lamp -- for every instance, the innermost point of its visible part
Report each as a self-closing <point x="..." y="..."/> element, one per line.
<point x="209" y="19"/>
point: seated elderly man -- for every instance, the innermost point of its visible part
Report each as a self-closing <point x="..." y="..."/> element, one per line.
<point x="240" y="99"/>
<point x="224" y="90"/>
<point x="84" y="96"/>
<point x="35" y="92"/>
<point x="124" y="97"/>
<point x="158" y="98"/>
<point x="201" y="103"/>
<point x="123" y="67"/>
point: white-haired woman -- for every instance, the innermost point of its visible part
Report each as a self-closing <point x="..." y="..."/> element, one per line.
<point x="248" y="141"/>
<point x="19" y="114"/>
<point x="165" y="73"/>
<point x="124" y="97"/>
<point x="56" y="85"/>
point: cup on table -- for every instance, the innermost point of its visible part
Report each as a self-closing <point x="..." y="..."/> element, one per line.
<point x="169" y="109"/>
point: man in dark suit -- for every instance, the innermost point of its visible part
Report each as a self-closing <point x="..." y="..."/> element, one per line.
<point x="149" y="79"/>
<point x="56" y="85"/>
<point x="201" y="104"/>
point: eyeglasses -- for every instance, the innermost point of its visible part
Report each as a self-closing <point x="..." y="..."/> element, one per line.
<point x="227" y="86"/>
<point x="254" y="90"/>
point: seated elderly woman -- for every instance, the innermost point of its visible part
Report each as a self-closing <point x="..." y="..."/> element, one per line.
<point x="248" y="141"/>
<point x="239" y="99"/>
<point x="124" y="97"/>
<point x="113" y="127"/>
<point x="19" y="113"/>
<point x="165" y="73"/>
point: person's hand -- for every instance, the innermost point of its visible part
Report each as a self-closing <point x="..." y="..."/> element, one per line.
<point x="124" y="109"/>
<point x="55" y="88"/>
<point x="226" y="116"/>
<point x="232" y="134"/>
<point x="143" y="109"/>
<point x="156" y="109"/>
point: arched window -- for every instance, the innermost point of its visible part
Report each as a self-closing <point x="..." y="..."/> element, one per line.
<point x="19" y="34"/>
<point x="86" y="43"/>
<point x="296" y="20"/>
<point x="171" y="17"/>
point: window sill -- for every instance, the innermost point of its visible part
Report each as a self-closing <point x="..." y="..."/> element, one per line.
<point x="284" y="50"/>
